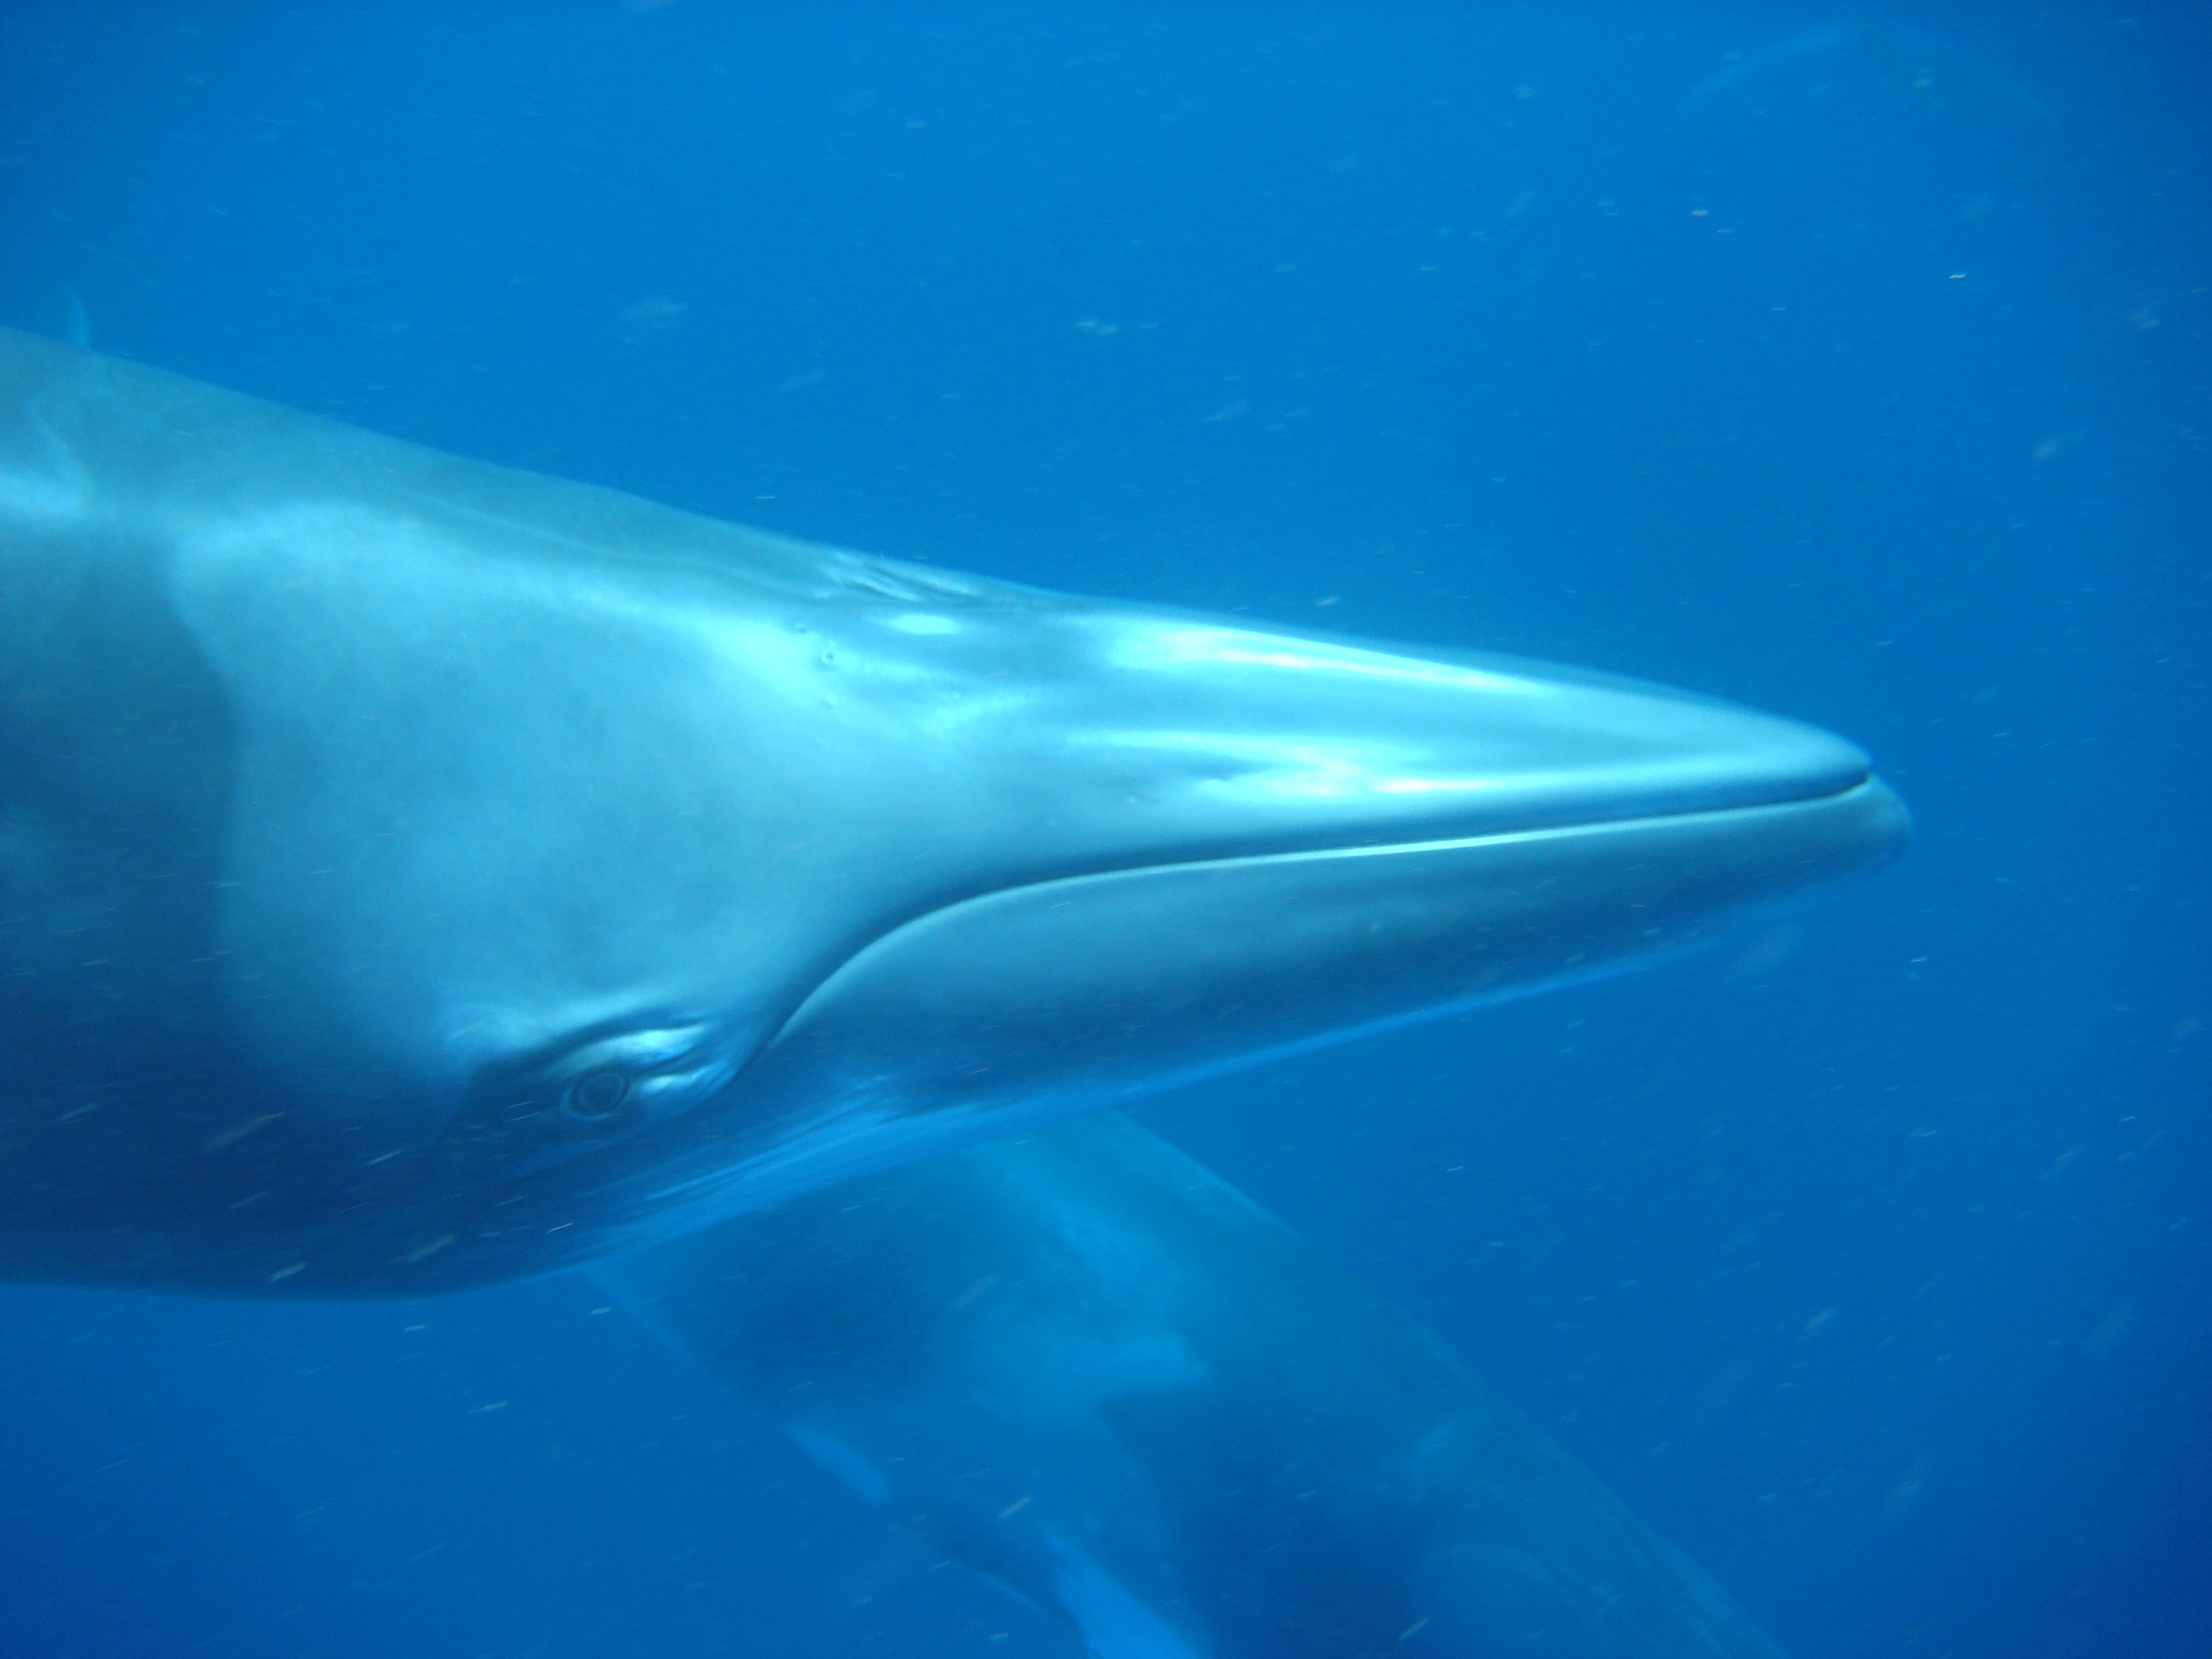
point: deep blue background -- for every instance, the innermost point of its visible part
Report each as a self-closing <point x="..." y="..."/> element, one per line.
<point x="1866" y="1258"/>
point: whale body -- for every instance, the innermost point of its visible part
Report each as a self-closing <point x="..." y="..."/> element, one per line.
<point x="417" y="874"/>
<point x="1093" y="1371"/>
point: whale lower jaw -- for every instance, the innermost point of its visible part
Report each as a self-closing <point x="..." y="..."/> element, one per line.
<point x="1038" y="1002"/>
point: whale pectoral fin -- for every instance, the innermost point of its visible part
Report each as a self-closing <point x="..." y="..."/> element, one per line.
<point x="1102" y="1377"/>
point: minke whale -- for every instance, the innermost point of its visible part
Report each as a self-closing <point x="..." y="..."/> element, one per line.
<point x="417" y="874"/>
<point x="1111" y="1383"/>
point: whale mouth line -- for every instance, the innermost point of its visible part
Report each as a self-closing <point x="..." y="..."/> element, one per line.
<point x="1623" y="812"/>
<point x="1535" y="826"/>
<point x="1866" y="785"/>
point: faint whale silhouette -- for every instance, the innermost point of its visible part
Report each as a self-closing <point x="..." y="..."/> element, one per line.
<point x="1865" y="59"/>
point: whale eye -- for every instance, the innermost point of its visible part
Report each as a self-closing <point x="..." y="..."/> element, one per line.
<point x="533" y="1112"/>
<point x="596" y="1096"/>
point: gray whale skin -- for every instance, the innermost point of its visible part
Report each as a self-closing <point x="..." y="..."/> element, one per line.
<point x="417" y="874"/>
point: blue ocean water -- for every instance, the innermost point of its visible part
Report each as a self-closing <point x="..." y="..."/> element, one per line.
<point x="1855" y="366"/>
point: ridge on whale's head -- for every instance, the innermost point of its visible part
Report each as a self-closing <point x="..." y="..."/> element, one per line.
<point x="416" y="872"/>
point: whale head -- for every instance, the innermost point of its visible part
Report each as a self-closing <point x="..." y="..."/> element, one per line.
<point x="506" y="870"/>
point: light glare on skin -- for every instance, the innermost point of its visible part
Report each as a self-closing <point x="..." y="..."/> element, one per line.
<point x="803" y="668"/>
<point x="754" y="649"/>
<point x="1282" y="768"/>
<point x="476" y="1031"/>
<point x="56" y="493"/>
<point x="922" y="621"/>
<point x="33" y="500"/>
<point x="1433" y="786"/>
<point x="1149" y="646"/>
